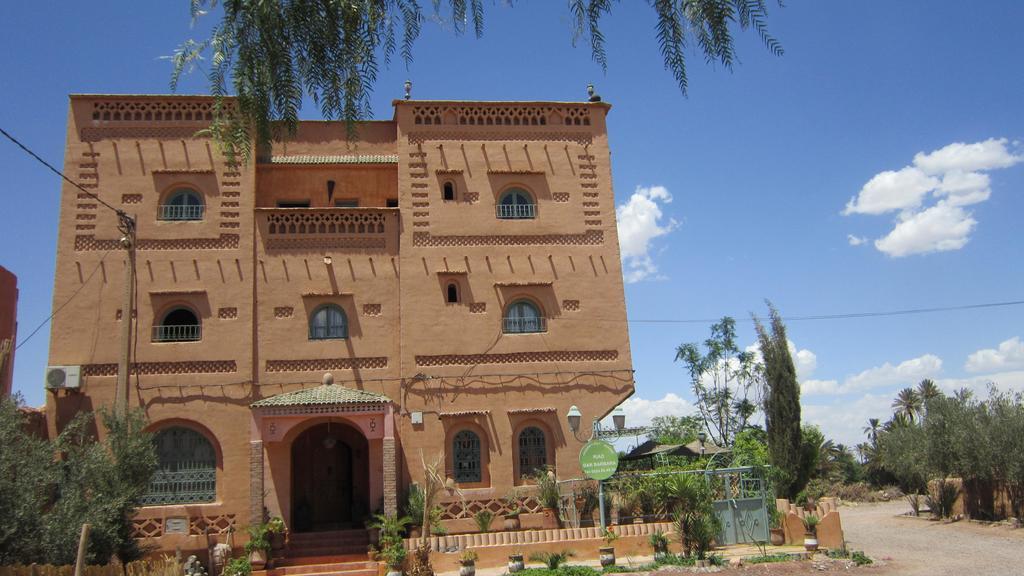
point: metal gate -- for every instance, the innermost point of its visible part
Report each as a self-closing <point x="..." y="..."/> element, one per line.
<point x="742" y="509"/>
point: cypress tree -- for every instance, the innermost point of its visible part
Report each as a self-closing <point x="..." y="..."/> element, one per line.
<point x="781" y="407"/>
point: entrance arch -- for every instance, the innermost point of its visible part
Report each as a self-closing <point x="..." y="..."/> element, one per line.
<point x="330" y="478"/>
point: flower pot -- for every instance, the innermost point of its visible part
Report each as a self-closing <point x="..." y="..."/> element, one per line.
<point x="258" y="559"/>
<point x="467" y="569"/>
<point x="607" y="556"/>
<point x="778" y="536"/>
<point x="415" y="531"/>
<point x="394" y="571"/>
<point x="512" y="523"/>
<point x="810" y="542"/>
<point x="515" y="563"/>
<point x="550" y="521"/>
<point x="278" y="541"/>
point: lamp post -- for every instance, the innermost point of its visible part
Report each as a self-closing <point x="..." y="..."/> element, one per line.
<point x="701" y="437"/>
<point x="575" y="418"/>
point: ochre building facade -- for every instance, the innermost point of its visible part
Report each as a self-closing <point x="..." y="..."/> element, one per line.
<point x="314" y="325"/>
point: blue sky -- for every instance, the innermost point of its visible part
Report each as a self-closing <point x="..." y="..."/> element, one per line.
<point x="774" y="170"/>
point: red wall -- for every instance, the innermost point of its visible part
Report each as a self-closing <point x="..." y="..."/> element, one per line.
<point x="8" y="324"/>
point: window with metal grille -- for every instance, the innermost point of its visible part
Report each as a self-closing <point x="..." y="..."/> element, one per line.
<point x="328" y="321"/>
<point x="466" y="457"/>
<point x="186" y="470"/>
<point x="523" y="317"/>
<point x="533" y="452"/>
<point x="182" y="204"/>
<point x="516" y="204"/>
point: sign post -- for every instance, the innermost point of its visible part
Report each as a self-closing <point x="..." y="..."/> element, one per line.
<point x="599" y="461"/>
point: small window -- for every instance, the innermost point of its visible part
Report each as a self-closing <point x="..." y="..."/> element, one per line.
<point x="178" y="325"/>
<point x="328" y="322"/>
<point x="449" y="191"/>
<point x="293" y="204"/>
<point x="523" y="317"/>
<point x="186" y="470"/>
<point x="346" y="203"/>
<point x="466" y="457"/>
<point x="392" y="203"/>
<point x="516" y="204"/>
<point x="182" y="204"/>
<point x="533" y="452"/>
<point x="453" y="293"/>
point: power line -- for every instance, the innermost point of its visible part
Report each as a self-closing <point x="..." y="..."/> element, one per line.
<point x="842" y="316"/>
<point x="28" y="151"/>
<point x="66" y="302"/>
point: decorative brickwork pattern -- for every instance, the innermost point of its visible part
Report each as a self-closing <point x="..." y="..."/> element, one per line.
<point x="255" y="482"/>
<point x="153" y="110"/>
<point x="588" y="238"/>
<point x="131" y="198"/>
<point x="570" y="305"/>
<point x="390" y="454"/>
<point x="227" y="313"/>
<point x="219" y="524"/>
<point x="147" y="528"/>
<point x="158" y="368"/>
<point x="283" y="312"/>
<point x="471" y="197"/>
<point x="582" y="138"/>
<point x="89" y="243"/>
<point x="371" y="309"/>
<point x="519" y="358"/>
<point x="560" y="196"/>
<point x="500" y="115"/>
<point x="330" y="228"/>
<point x="468" y="508"/>
<point x="97" y="134"/>
<point x="478" y="307"/>
<point x="323" y="364"/>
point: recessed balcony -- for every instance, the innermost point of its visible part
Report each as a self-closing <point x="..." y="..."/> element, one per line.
<point x="328" y="228"/>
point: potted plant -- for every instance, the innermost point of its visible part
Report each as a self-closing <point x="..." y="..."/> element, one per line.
<point x="515" y="562"/>
<point x="414" y="510"/>
<point x="607" y="551"/>
<point x="777" y="535"/>
<point x="238" y="567"/>
<point x="393" y="555"/>
<point x="483" y="520"/>
<point x="811" y="535"/>
<point x="467" y="560"/>
<point x="512" y="519"/>
<point x="257" y="546"/>
<point x="277" y="533"/>
<point x="659" y="542"/>
<point x="550" y="498"/>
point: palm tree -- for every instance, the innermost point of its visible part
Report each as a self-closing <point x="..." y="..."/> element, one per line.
<point x="871" y="430"/>
<point x="928" y="390"/>
<point x="908" y="403"/>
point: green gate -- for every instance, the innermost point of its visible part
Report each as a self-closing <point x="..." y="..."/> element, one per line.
<point x="742" y="507"/>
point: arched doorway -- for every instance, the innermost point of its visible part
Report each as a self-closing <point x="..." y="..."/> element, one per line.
<point x="330" y="478"/>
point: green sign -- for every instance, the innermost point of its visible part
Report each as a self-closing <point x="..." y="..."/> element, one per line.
<point x="599" y="460"/>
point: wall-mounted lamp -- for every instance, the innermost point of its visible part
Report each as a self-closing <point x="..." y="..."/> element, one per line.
<point x="619" y="418"/>
<point x="574" y="416"/>
<point x="328" y="261"/>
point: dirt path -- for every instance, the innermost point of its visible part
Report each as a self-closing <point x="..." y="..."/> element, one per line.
<point x="915" y="547"/>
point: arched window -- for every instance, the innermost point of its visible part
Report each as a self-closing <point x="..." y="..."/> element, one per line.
<point x="449" y="191"/>
<point x="328" y="321"/>
<point x="186" y="468"/>
<point x="533" y="452"/>
<point x="182" y="204"/>
<point x="453" y="293"/>
<point x="466" y="457"/>
<point x="522" y="317"/>
<point x="516" y="204"/>
<point x="178" y="325"/>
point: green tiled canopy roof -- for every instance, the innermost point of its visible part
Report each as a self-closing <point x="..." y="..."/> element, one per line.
<point x="323" y="394"/>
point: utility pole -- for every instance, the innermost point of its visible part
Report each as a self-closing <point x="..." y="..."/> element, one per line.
<point x="126" y="225"/>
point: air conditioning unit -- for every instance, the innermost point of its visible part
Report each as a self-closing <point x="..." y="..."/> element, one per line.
<point x="58" y="377"/>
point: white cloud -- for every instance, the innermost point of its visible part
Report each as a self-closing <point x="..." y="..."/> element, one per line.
<point x="805" y="361"/>
<point x="845" y="423"/>
<point x="987" y="155"/>
<point x="908" y="373"/>
<point x="1009" y="380"/>
<point x="811" y="387"/>
<point x="951" y="177"/>
<point x="1008" y="356"/>
<point x="892" y="190"/>
<point x="640" y="411"/>
<point x="937" y="229"/>
<point x="640" y="222"/>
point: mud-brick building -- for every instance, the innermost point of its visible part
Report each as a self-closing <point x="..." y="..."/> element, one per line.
<point x="313" y="325"/>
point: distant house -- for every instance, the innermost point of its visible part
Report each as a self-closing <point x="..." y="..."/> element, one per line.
<point x="650" y="454"/>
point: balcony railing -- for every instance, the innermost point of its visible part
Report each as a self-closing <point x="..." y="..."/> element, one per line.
<point x="328" y="228"/>
<point x="172" y="212"/>
<point x="524" y="325"/>
<point x="516" y="211"/>
<point x="177" y="333"/>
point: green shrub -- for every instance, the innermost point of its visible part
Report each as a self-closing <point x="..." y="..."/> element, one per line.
<point x="547" y="488"/>
<point x="414" y="505"/>
<point x="717" y="560"/>
<point x="238" y="567"/>
<point x="675" y="560"/>
<point x="552" y="559"/>
<point x="483" y="520"/>
<point x="768" y="558"/>
<point x="659" y="542"/>
<point x="860" y="558"/>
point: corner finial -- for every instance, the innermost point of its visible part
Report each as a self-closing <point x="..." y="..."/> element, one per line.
<point x="408" y="88"/>
<point x="328" y="379"/>
<point x="592" y="96"/>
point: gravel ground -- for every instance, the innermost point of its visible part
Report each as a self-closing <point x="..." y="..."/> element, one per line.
<point x="912" y="547"/>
